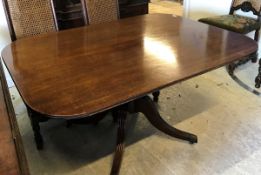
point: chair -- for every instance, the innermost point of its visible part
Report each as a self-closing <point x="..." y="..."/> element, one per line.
<point x="27" y="18"/>
<point x="239" y="24"/>
<point x="100" y="11"/>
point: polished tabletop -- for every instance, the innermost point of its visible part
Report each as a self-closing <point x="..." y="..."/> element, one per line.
<point x="79" y="72"/>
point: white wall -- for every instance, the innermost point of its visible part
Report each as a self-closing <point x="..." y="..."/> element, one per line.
<point x="196" y="9"/>
<point x="4" y="39"/>
<point x="4" y="33"/>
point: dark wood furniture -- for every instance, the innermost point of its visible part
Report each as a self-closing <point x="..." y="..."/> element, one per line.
<point x="12" y="156"/>
<point x="240" y="24"/>
<point x="71" y="13"/>
<point x="88" y="70"/>
<point x="26" y="18"/>
<point x="133" y="8"/>
<point x="258" y="77"/>
<point x="100" y="11"/>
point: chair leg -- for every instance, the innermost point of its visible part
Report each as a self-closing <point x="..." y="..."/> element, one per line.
<point x="258" y="78"/>
<point x="114" y="114"/>
<point x="257" y="35"/>
<point x="254" y="57"/>
<point x="37" y="133"/>
<point x="35" y="119"/>
<point x="230" y="69"/>
<point x="156" y="96"/>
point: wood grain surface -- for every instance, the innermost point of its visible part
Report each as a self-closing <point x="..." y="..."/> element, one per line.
<point x="87" y="70"/>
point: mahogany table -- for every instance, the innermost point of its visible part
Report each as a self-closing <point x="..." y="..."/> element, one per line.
<point x="85" y="71"/>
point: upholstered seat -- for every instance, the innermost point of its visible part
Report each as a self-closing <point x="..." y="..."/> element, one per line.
<point x="240" y="24"/>
<point x="235" y="23"/>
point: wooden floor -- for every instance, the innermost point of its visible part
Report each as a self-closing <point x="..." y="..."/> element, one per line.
<point x="225" y="117"/>
<point x="168" y="7"/>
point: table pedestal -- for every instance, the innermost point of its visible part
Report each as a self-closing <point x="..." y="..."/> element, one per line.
<point x="146" y="106"/>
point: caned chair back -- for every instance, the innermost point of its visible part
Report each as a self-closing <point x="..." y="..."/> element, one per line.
<point x="246" y="6"/>
<point x="29" y="17"/>
<point x="100" y="11"/>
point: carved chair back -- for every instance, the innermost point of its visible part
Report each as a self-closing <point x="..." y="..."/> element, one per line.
<point x="246" y="6"/>
<point x="99" y="11"/>
<point x="29" y="17"/>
